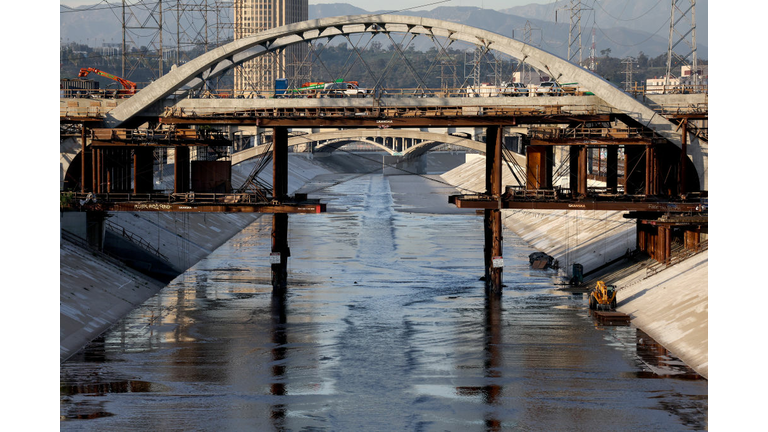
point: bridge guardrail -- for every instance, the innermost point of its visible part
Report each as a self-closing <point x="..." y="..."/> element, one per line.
<point x="154" y="197"/>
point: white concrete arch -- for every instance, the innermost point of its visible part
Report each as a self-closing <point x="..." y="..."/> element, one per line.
<point x="335" y="144"/>
<point x="219" y="60"/>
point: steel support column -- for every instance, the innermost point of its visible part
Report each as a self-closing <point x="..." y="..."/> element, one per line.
<point x="94" y="229"/>
<point x="97" y="169"/>
<point x="683" y="157"/>
<point x="181" y="169"/>
<point x="279" y="163"/>
<point x="82" y="159"/>
<point x="651" y="171"/>
<point x="280" y="220"/>
<point x="539" y="163"/>
<point x="492" y="217"/>
<point x="143" y="163"/>
<point x="692" y="239"/>
<point x="634" y="170"/>
<point x="280" y="252"/>
<point x="578" y="170"/>
<point x="612" y="169"/>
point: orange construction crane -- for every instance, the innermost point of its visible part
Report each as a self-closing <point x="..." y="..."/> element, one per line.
<point x="129" y="86"/>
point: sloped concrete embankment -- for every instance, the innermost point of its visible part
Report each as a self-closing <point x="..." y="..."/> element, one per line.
<point x="96" y="291"/>
<point x="671" y="306"/>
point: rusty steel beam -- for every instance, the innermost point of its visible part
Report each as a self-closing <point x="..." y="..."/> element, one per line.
<point x="688" y="116"/>
<point x="377" y="122"/>
<point x="473" y="202"/>
<point x="101" y="137"/>
<point x="204" y="208"/>
<point x="150" y="144"/>
<point x="79" y="119"/>
<point x="595" y="142"/>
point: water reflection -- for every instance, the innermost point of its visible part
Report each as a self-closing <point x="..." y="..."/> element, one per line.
<point x="658" y="362"/>
<point x="491" y="392"/>
<point x="392" y="334"/>
<point x="279" y="341"/>
<point x="493" y="360"/>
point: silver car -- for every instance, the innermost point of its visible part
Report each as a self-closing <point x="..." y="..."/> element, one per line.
<point x="515" y="89"/>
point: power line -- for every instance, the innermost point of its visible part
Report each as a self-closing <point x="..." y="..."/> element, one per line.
<point x="625" y="5"/>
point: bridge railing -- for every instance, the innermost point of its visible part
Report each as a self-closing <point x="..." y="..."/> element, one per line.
<point x="71" y="198"/>
<point x="439" y="108"/>
<point x="640" y="89"/>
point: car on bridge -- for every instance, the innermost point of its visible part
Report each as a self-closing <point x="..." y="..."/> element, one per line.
<point x="342" y="89"/>
<point x="549" y="88"/>
<point x="514" y="89"/>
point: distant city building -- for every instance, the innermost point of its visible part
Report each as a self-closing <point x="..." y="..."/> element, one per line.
<point x="675" y="84"/>
<point x="687" y="77"/>
<point x="254" y="16"/>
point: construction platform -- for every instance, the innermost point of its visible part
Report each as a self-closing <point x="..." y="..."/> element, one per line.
<point x="611" y="317"/>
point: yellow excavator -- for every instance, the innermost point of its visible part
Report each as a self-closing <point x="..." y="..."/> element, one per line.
<point x="602" y="297"/>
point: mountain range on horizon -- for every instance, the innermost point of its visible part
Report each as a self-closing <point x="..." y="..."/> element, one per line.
<point x="624" y="27"/>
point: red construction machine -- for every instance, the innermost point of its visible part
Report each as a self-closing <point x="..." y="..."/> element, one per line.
<point x="129" y="87"/>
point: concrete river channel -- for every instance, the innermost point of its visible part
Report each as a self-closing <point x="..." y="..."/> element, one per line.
<point x="385" y="327"/>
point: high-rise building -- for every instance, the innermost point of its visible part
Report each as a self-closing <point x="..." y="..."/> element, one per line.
<point x="254" y="16"/>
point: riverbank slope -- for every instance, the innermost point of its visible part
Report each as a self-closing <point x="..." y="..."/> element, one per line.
<point x="672" y="306"/>
<point x="97" y="290"/>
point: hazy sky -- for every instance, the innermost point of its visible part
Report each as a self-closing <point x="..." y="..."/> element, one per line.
<point x="390" y="4"/>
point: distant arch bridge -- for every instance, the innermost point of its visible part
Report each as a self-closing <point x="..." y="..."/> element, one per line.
<point x="334" y="139"/>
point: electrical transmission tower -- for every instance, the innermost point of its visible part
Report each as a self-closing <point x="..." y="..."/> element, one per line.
<point x="682" y="28"/>
<point x="630" y="63"/>
<point x="190" y="27"/>
<point x="145" y="23"/>
<point x="474" y="72"/>
<point x="525" y="74"/>
<point x="574" y="31"/>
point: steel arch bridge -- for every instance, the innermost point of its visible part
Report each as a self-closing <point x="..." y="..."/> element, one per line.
<point x="215" y="63"/>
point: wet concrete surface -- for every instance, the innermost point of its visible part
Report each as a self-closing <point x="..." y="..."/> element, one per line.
<point x="385" y="327"/>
